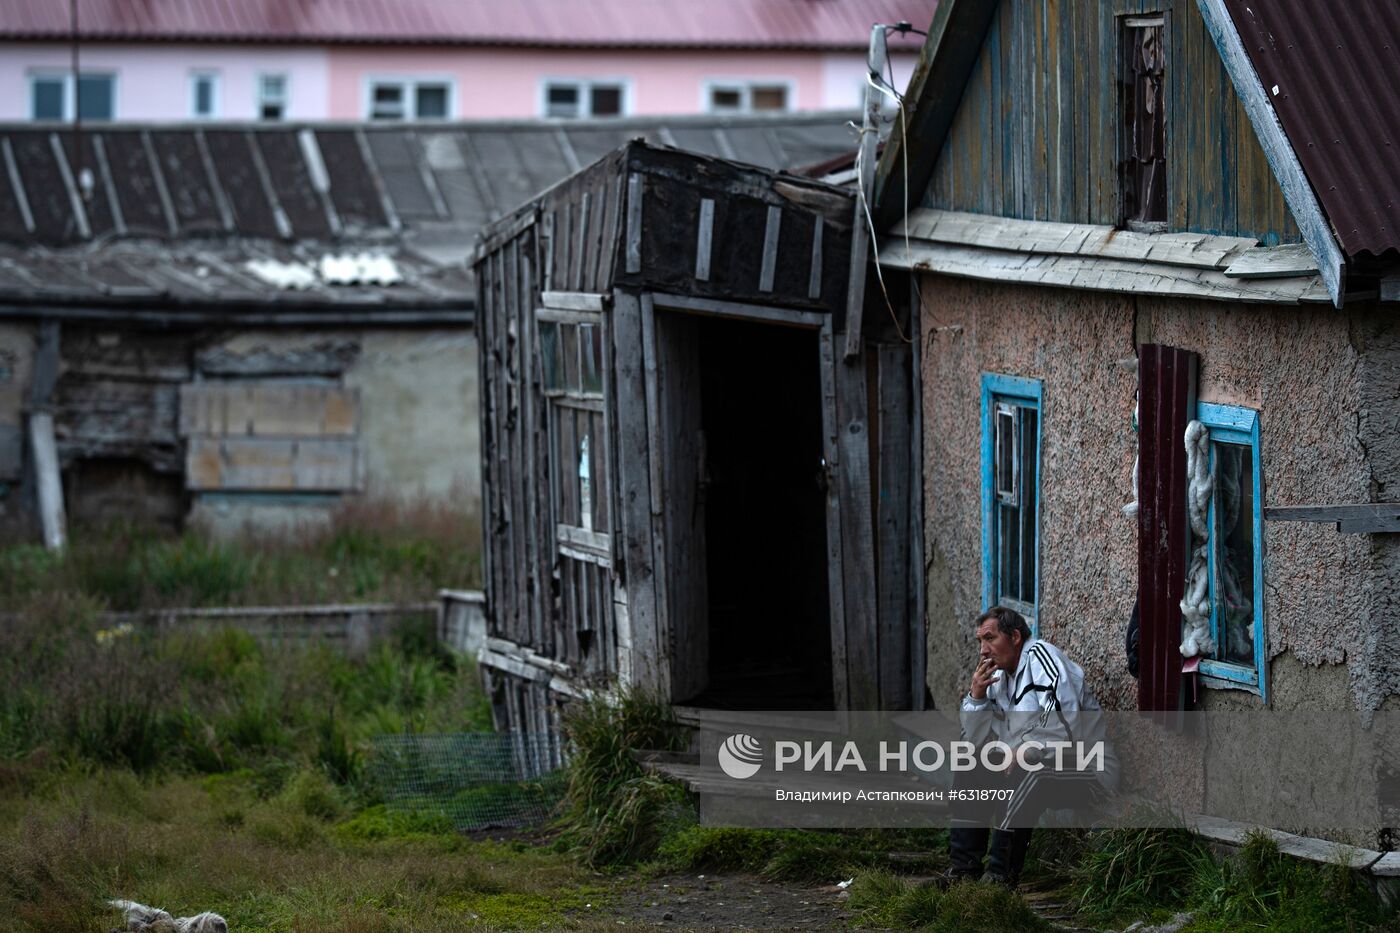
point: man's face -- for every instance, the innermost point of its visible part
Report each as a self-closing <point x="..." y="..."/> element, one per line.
<point x="1003" y="649"/>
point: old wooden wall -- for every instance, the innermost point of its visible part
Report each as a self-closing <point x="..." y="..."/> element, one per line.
<point x="1036" y="135"/>
<point x="564" y="242"/>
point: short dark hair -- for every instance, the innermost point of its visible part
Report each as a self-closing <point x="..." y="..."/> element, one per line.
<point x="1008" y="620"/>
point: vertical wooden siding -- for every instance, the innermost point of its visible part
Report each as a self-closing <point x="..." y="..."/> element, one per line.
<point x="1036" y="134"/>
<point x="534" y="598"/>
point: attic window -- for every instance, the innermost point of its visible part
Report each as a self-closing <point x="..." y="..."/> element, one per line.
<point x="1142" y="146"/>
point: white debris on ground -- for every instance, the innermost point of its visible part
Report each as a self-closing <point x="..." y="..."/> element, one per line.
<point x="142" y="919"/>
<point x="331" y="269"/>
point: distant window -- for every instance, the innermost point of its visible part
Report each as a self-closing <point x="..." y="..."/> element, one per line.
<point x="52" y="97"/>
<point x="204" y="90"/>
<point x="1142" y="146"/>
<point x="410" y="100"/>
<point x="272" y="97"/>
<point x="748" y="97"/>
<point x="572" y="99"/>
<point x="97" y="97"/>
<point x="48" y="97"/>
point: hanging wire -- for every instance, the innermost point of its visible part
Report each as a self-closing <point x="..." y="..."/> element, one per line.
<point x="887" y="87"/>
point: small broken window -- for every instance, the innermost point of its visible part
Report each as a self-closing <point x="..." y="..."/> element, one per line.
<point x="1142" y="146"/>
<point x="1006" y="453"/>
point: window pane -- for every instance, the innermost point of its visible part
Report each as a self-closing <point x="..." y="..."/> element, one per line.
<point x="561" y="100"/>
<point x="1028" y="517"/>
<point x="590" y="338"/>
<point x="48" y="98"/>
<point x="722" y="99"/>
<point x="96" y="95"/>
<point x="274" y="87"/>
<point x="549" y="355"/>
<point x="1005" y="466"/>
<point x="203" y="96"/>
<point x="387" y="102"/>
<point x="1234" y="552"/>
<point x="432" y="102"/>
<point x="270" y="111"/>
<point x="770" y="97"/>
<point x="570" y="354"/>
<point x="607" y="100"/>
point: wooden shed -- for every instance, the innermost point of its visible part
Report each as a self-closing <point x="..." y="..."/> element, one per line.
<point x="691" y="484"/>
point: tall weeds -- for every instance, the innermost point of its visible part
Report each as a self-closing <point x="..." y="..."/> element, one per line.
<point x="615" y="812"/>
<point x="376" y="549"/>
<point x="210" y="701"/>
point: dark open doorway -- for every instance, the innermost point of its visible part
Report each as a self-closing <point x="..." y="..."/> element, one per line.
<point x="761" y="515"/>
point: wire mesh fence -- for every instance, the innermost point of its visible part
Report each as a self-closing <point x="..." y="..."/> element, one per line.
<point x="477" y="780"/>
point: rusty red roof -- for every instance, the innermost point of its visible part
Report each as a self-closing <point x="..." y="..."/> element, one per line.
<point x="833" y="24"/>
<point x="1331" y="71"/>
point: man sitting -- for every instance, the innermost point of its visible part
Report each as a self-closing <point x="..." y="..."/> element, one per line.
<point x="1027" y="694"/>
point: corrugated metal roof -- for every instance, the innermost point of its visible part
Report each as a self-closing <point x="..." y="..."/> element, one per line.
<point x="174" y="215"/>
<point x="843" y="24"/>
<point x="1331" y="71"/>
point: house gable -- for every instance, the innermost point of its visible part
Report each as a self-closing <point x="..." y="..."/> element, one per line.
<point x="1035" y="135"/>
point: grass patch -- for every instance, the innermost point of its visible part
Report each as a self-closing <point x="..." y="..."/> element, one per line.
<point x="218" y="701"/>
<point x="615" y="813"/>
<point x="111" y="834"/>
<point x="805" y="856"/>
<point x="1154" y="873"/>
<point x="889" y="901"/>
<point x="368" y="550"/>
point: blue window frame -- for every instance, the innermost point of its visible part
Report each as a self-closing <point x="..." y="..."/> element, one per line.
<point x="1011" y="431"/>
<point x="1236" y="525"/>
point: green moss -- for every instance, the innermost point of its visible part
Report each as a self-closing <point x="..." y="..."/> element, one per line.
<point x="379" y="822"/>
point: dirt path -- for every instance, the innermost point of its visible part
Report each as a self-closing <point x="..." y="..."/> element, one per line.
<point x="730" y="902"/>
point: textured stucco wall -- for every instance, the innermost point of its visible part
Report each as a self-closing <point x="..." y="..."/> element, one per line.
<point x="1300" y="368"/>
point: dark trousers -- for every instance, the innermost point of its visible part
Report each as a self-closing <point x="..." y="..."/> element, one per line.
<point x="971" y="838"/>
<point x="999" y="830"/>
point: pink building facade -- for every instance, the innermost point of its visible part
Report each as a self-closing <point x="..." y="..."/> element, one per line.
<point x="154" y="82"/>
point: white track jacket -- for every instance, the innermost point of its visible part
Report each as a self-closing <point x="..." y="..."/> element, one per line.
<point x="1045" y="700"/>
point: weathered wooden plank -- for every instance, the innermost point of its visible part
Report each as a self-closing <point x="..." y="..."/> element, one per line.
<point x="1195" y="250"/>
<point x="1297" y="191"/>
<point x="703" y="234"/>
<point x="918" y="639"/>
<point x="1363" y="518"/>
<point x="735" y="309"/>
<point x="574" y="301"/>
<point x="683" y="464"/>
<point x="1167" y="401"/>
<point x="893" y="509"/>
<point x="771" y="231"/>
<point x="48" y="480"/>
<point x="263" y="409"/>
<point x="826" y="348"/>
<point x="648" y="669"/>
<point x="1311" y="849"/>
<point x="1272" y="262"/>
<point x="634" y="222"/>
<point x="271" y="464"/>
<point x="854" y="482"/>
<point x="1099" y="274"/>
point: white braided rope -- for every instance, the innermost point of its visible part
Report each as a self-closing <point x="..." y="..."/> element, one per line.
<point x="1195" y="605"/>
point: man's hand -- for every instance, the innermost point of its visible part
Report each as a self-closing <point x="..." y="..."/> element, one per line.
<point x="982" y="678"/>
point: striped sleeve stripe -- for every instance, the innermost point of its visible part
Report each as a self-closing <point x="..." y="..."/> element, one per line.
<point x="1053" y="670"/>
